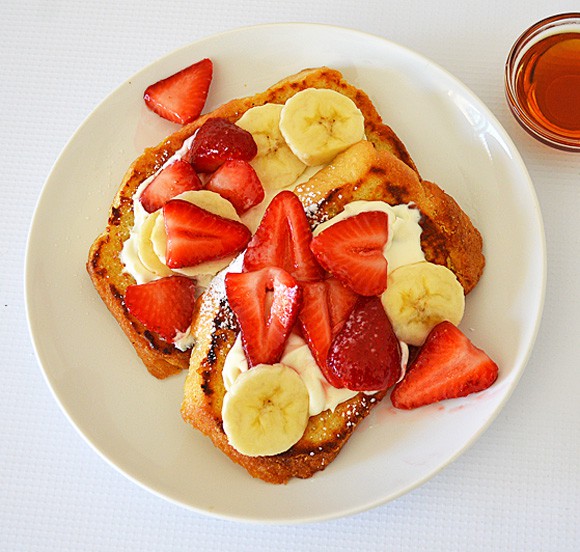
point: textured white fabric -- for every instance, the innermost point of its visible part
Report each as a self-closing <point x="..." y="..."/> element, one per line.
<point x="517" y="488"/>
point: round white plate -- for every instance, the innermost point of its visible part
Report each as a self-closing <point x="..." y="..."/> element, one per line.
<point x="133" y="420"/>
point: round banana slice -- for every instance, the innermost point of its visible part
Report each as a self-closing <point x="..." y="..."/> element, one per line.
<point x="318" y="124"/>
<point x="265" y="411"/>
<point x="145" y="250"/>
<point x="275" y="164"/>
<point x="212" y="202"/>
<point x="419" y="296"/>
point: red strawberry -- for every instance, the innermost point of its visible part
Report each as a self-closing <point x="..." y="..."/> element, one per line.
<point x="174" y="179"/>
<point x="181" y="97"/>
<point x="163" y="306"/>
<point x="447" y="366"/>
<point x="237" y="181"/>
<point x="195" y="235"/>
<point x="266" y="304"/>
<point x="327" y="305"/>
<point x="283" y="240"/>
<point x="218" y="140"/>
<point x="365" y="355"/>
<point x="352" y="250"/>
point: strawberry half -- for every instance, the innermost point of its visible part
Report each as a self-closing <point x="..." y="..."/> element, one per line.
<point x="173" y="180"/>
<point x="365" y="355"/>
<point x="326" y="307"/>
<point x="181" y="97"/>
<point x="218" y="140"/>
<point x="283" y="240"/>
<point x="352" y="250"/>
<point x="237" y="181"/>
<point x="195" y="235"/>
<point x="266" y="304"/>
<point x="163" y="306"/>
<point x="447" y="366"/>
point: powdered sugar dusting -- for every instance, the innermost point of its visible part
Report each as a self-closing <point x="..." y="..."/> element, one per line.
<point x="215" y="295"/>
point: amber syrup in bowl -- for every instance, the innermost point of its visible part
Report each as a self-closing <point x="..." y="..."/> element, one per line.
<point x="542" y="78"/>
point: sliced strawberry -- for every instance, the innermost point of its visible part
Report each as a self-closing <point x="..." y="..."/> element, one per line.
<point x="163" y="306"/>
<point x="173" y="180"/>
<point x="283" y="240"/>
<point x="195" y="235"/>
<point x="266" y="304"/>
<point x="447" y="366"/>
<point x="181" y="97"/>
<point x="352" y="250"/>
<point x="237" y="181"/>
<point x="365" y="355"/>
<point x="326" y="307"/>
<point x="218" y="140"/>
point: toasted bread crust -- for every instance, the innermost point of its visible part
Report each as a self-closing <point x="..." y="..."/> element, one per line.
<point x="105" y="267"/>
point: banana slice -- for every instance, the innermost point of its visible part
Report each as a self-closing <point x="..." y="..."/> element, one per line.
<point x="145" y="250"/>
<point x="318" y="124"/>
<point x="265" y="411"/>
<point x="419" y="296"/>
<point x="275" y="164"/>
<point x="212" y="202"/>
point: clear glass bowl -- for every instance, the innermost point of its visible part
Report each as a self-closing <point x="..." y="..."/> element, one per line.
<point x="514" y="71"/>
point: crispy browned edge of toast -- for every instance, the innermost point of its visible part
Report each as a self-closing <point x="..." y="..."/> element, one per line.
<point x="448" y="238"/>
<point x="161" y="358"/>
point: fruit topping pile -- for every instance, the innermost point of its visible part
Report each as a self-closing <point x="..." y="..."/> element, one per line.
<point x="192" y="205"/>
<point x="334" y="289"/>
<point x="330" y="289"/>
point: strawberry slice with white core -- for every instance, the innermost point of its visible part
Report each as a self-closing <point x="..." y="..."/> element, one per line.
<point x="283" y="240"/>
<point x="365" y="355"/>
<point x="163" y="306"/>
<point x="352" y="250"/>
<point x="181" y="97"/>
<point x="171" y="181"/>
<point x="237" y="181"/>
<point x="266" y="304"/>
<point x="447" y="366"/>
<point x="195" y="235"/>
<point x="326" y="307"/>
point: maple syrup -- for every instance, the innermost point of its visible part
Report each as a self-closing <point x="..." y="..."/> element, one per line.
<point x="544" y="87"/>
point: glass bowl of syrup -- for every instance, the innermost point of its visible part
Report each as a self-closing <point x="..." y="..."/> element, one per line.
<point x="542" y="81"/>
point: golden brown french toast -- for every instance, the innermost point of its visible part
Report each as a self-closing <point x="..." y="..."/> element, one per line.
<point x="362" y="172"/>
<point x="378" y="168"/>
<point x="105" y="268"/>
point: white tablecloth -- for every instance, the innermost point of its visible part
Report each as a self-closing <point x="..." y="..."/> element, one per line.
<point x="517" y="488"/>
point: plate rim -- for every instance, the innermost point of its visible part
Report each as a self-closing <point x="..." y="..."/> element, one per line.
<point x="522" y="170"/>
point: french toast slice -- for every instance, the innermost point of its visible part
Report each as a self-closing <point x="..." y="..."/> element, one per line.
<point x="363" y="172"/>
<point x="104" y="266"/>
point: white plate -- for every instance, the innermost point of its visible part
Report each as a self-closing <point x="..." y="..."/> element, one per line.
<point x="133" y="420"/>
